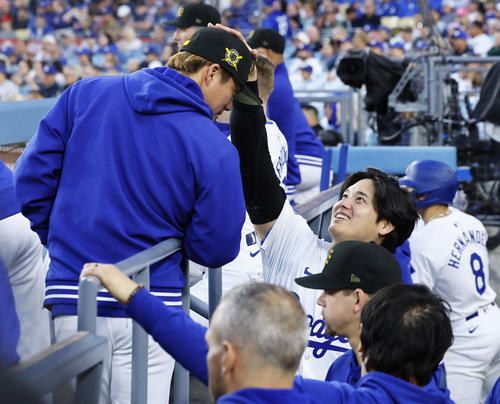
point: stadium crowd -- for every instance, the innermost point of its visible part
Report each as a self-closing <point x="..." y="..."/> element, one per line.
<point x="48" y="45"/>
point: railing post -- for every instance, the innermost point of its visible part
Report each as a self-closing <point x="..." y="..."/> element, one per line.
<point x="214" y="289"/>
<point x="87" y="304"/>
<point x="139" y="391"/>
<point x="181" y="375"/>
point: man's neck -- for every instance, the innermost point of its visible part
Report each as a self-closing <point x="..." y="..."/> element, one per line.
<point x="268" y="378"/>
<point x="435" y="212"/>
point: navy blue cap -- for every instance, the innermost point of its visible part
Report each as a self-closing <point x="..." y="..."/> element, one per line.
<point x="49" y="70"/>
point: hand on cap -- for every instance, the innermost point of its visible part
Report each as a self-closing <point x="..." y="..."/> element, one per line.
<point x="117" y="283"/>
<point x="239" y="35"/>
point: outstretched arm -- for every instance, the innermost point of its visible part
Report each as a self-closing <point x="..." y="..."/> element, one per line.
<point x="172" y="328"/>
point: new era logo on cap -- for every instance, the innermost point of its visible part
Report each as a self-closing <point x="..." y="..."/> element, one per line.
<point x="355" y="264"/>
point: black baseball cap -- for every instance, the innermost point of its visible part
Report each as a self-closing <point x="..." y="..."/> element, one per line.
<point x="355" y="264"/>
<point x="195" y="14"/>
<point x="231" y="54"/>
<point x="266" y="38"/>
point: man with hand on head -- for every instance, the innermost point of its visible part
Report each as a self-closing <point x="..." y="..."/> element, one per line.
<point x="449" y="255"/>
<point x="190" y="18"/>
<point x="372" y="207"/>
<point x="122" y="163"/>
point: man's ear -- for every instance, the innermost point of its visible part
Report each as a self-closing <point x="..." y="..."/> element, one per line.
<point x="228" y="358"/>
<point x="385" y="227"/>
<point x="360" y="299"/>
<point x="212" y="72"/>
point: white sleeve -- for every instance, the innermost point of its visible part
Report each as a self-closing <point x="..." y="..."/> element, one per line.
<point x="290" y="249"/>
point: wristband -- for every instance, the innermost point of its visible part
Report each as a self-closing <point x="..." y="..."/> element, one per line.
<point x="133" y="293"/>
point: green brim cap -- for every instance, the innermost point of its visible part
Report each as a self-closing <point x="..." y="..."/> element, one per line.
<point x="231" y="54"/>
<point x="355" y="264"/>
<point x="195" y="15"/>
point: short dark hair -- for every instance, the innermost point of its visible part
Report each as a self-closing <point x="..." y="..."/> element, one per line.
<point x="406" y="332"/>
<point x="391" y="202"/>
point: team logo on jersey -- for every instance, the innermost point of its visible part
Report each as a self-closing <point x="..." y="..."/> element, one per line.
<point x="180" y="12"/>
<point x="232" y="57"/>
<point x="355" y="279"/>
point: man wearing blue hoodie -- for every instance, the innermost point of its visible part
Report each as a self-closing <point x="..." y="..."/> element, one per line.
<point x="122" y="163"/>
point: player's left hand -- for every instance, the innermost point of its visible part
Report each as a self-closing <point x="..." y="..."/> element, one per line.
<point x="117" y="283"/>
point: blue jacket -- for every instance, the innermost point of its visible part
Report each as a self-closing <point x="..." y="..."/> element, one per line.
<point x="403" y="255"/>
<point x="267" y="396"/>
<point x="184" y="339"/>
<point x="8" y="202"/>
<point x="346" y="369"/>
<point x="121" y="163"/>
<point x="373" y="388"/>
<point x="9" y="326"/>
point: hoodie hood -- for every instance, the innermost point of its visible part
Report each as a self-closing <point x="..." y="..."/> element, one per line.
<point x="400" y="391"/>
<point x="162" y="91"/>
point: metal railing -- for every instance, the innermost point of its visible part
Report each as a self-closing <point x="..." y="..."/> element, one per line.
<point x="80" y="355"/>
<point x="137" y="266"/>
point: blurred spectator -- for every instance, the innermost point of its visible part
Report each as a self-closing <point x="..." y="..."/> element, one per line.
<point x="396" y="50"/>
<point x="48" y="85"/>
<point x="479" y="41"/>
<point x="8" y="90"/>
<point x="311" y="114"/>
<point x="129" y="41"/>
<point x="377" y="47"/>
<point x="458" y="41"/>
<point x="276" y="18"/>
<point x="368" y="17"/>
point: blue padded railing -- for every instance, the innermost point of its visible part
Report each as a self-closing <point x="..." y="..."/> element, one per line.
<point x="345" y="159"/>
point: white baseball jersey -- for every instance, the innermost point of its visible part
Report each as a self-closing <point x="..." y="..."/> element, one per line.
<point x="291" y="250"/>
<point x="247" y="266"/>
<point x="449" y="255"/>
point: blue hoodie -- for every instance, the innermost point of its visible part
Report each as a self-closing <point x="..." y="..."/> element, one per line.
<point x="121" y="163"/>
<point x="8" y="202"/>
<point x="267" y="396"/>
<point x="184" y="339"/>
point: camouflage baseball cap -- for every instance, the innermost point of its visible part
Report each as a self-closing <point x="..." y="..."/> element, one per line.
<point x="195" y="14"/>
<point x="231" y="54"/>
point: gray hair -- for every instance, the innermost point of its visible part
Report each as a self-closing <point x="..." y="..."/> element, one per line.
<point x="266" y="322"/>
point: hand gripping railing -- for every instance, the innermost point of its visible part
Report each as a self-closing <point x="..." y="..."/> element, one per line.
<point x="136" y="266"/>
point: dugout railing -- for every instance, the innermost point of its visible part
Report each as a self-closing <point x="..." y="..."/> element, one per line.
<point x="137" y="267"/>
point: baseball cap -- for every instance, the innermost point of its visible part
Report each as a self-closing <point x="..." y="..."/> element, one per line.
<point x="195" y="14"/>
<point x="307" y="68"/>
<point x="355" y="264"/>
<point x="459" y="34"/>
<point x="266" y="38"/>
<point x="151" y="49"/>
<point x="219" y="46"/>
<point x="397" y="45"/>
<point x="49" y="69"/>
<point x="377" y="44"/>
<point x="421" y="44"/>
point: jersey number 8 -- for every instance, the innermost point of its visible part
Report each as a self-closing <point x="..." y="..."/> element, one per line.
<point x="476" y="264"/>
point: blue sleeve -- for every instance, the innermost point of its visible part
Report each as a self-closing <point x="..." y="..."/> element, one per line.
<point x="10" y="331"/>
<point x="8" y="201"/>
<point x="212" y="238"/>
<point x="335" y="391"/>
<point x="38" y="169"/>
<point x="494" y="396"/>
<point x="174" y="330"/>
<point x="403" y="255"/>
<point x="281" y="109"/>
<point x="345" y="369"/>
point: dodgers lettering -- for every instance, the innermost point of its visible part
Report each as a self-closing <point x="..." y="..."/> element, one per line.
<point x="317" y="329"/>
<point x="461" y="242"/>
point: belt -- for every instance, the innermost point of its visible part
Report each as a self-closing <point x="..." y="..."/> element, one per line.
<point x="476" y="313"/>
